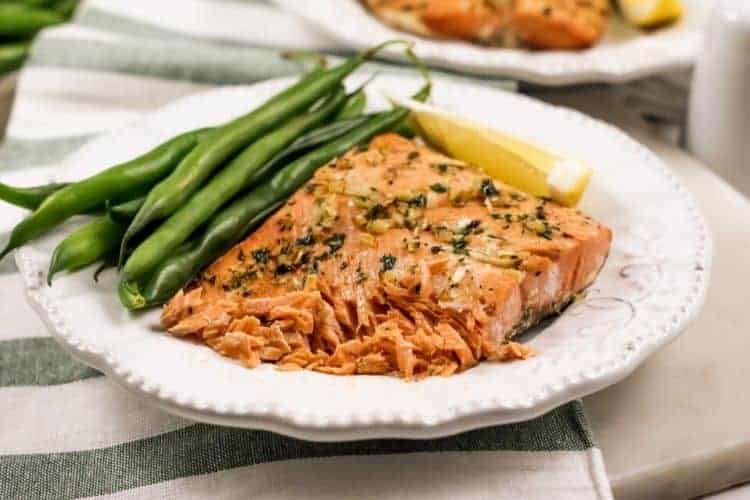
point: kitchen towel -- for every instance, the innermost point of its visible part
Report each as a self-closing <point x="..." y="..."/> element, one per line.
<point x="68" y="432"/>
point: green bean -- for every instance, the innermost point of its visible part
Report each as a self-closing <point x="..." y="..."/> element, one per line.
<point x="355" y="105"/>
<point x="42" y="4"/>
<point x="320" y="135"/>
<point x="405" y="128"/>
<point x="19" y="20"/>
<point x="239" y="173"/>
<point x="232" y="137"/>
<point x="93" y="241"/>
<point x="12" y="56"/>
<point x="28" y="197"/>
<point x="232" y="224"/>
<point x="311" y="140"/>
<point x="66" y="8"/>
<point x="114" y="183"/>
<point x="315" y="59"/>
<point x="123" y="213"/>
<point x="86" y="246"/>
<point x="109" y="262"/>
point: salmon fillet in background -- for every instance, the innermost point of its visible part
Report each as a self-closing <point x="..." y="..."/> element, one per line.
<point x="541" y="24"/>
<point x="392" y="260"/>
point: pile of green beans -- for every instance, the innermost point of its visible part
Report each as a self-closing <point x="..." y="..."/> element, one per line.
<point x="171" y="211"/>
<point x="20" y="20"/>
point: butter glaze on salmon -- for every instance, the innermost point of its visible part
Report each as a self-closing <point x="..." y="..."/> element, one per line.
<point x="393" y="260"/>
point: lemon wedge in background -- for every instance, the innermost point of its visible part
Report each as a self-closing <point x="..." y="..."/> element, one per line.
<point x="650" y="13"/>
<point x="504" y="157"/>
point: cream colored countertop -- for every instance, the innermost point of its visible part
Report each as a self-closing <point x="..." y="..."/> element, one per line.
<point x="679" y="427"/>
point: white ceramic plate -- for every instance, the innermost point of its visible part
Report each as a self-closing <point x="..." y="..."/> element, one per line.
<point x="624" y="54"/>
<point x="652" y="284"/>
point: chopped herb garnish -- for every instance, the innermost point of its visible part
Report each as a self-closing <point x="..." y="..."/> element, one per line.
<point x="541" y="228"/>
<point x="261" y="255"/>
<point x="335" y="241"/>
<point x="488" y="189"/>
<point x="304" y="258"/>
<point x="282" y="269"/>
<point x="540" y="212"/>
<point x="306" y="240"/>
<point x="285" y="223"/>
<point x="459" y="246"/>
<point x="376" y="212"/>
<point x="361" y="276"/>
<point x="387" y="262"/>
<point x="441" y="167"/>
<point x="438" y="188"/>
<point x="412" y="245"/>
<point x="286" y="247"/>
<point x="467" y="228"/>
<point x="419" y="201"/>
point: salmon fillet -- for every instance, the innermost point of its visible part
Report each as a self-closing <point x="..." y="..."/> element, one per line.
<point x="392" y="260"/>
<point x="543" y="24"/>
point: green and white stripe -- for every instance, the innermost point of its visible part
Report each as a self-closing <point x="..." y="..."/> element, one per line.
<point x="210" y="449"/>
<point x="67" y="432"/>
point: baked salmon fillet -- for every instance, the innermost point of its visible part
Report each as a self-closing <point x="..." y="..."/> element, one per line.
<point x="392" y="260"/>
<point x="543" y="24"/>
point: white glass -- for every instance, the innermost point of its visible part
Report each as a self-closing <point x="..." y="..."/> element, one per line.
<point x="719" y="111"/>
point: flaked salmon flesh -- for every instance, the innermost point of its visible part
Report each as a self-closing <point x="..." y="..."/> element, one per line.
<point x="392" y="260"/>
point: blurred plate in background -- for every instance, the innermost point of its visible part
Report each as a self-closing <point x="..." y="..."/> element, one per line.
<point x="624" y="54"/>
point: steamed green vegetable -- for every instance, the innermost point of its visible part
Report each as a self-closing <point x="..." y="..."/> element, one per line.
<point x="100" y="239"/>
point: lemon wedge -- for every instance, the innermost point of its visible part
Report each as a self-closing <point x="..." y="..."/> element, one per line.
<point x="650" y="13"/>
<point x="506" y="158"/>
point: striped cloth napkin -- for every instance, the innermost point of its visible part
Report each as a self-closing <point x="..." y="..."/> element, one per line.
<point x="67" y="432"/>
